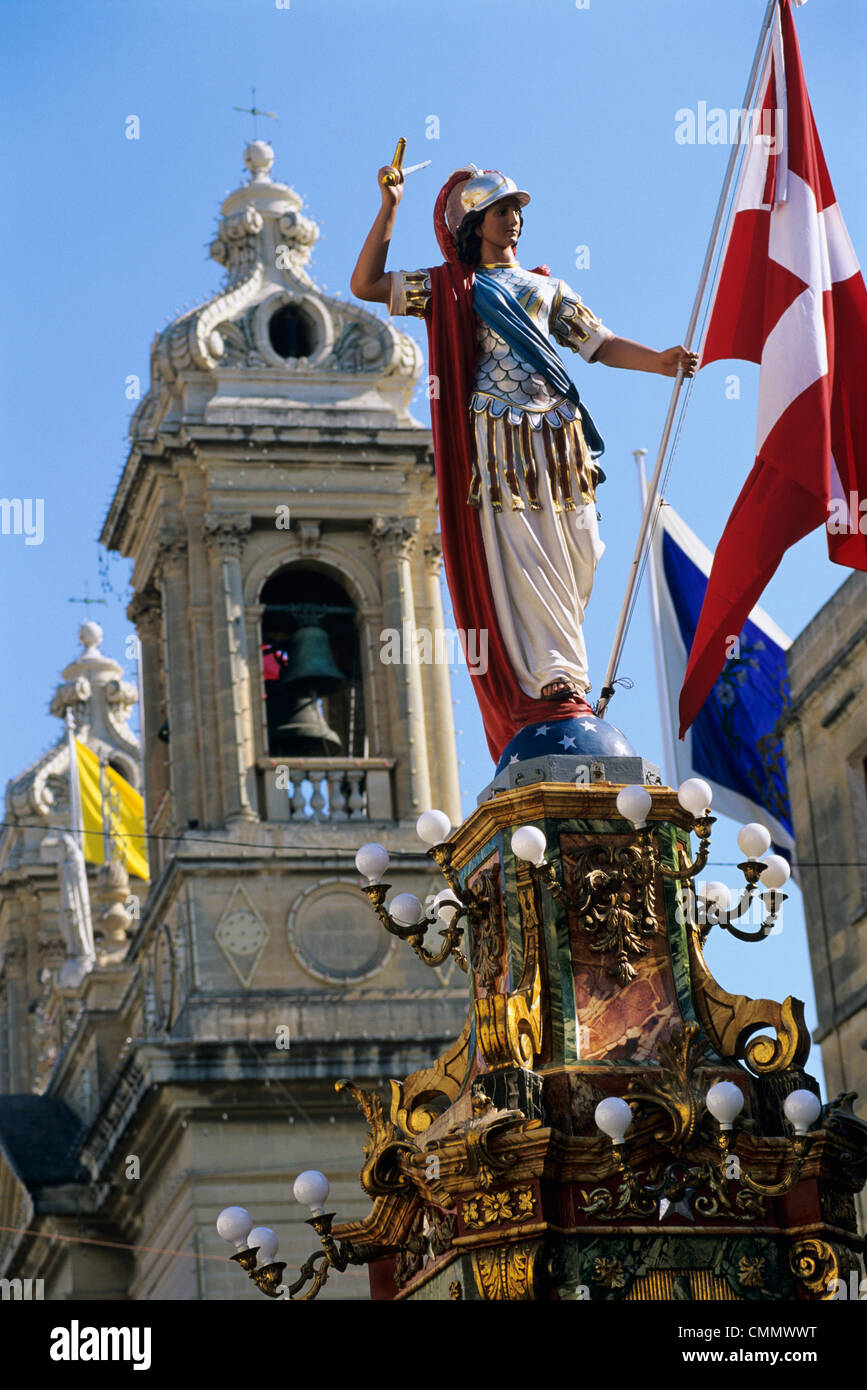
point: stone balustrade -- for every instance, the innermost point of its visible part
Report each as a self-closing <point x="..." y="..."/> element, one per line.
<point x="310" y="790"/>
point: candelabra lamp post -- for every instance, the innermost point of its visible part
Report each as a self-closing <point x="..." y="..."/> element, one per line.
<point x="611" y="1123"/>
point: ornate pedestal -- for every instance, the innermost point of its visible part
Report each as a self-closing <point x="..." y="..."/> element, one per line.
<point x="490" y="1177"/>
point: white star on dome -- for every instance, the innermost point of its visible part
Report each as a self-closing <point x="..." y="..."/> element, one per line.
<point x="567" y="741"/>
<point x="513" y="759"/>
<point x="542" y="729"/>
<point x="587" y="723"/>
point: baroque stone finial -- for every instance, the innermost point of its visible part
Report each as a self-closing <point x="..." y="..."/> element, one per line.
<point x="259" y="158"/>
<point x="90" y="635"/>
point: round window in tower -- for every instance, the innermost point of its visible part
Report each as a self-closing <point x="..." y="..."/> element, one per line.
<point x="335" y="936"/>
<point x="290" y="332"/>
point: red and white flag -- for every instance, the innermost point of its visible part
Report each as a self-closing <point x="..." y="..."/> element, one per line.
<point x="792" y="298"/>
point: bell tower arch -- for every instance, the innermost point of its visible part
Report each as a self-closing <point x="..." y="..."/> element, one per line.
<point x="311" y="663"/>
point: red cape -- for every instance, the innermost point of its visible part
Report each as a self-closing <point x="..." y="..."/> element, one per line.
<point x="453" y="353"/>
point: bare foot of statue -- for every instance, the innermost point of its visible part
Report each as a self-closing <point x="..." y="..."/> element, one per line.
<point x="559" y="689"/>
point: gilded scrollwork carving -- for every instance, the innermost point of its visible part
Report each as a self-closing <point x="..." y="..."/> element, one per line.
<point x="674" y="1089"/>
<point x="615" y="901"/>
<point x="513" y="1272"/>
<point x="439" y="1228"/>
<point x="510" y="1025"/>
<point x="815" y="1264"/>
<point x="609" y="1274"/>
<point x="481" y="1160"/>
<point x="730" y="1019"/>
<point x="416" y="1102"/>
<point x="499" y="1208"/>
<point x="700" y="1189"/>
<point x="486" y="945"/>
<point x="753" y="1272"/>
<point x="384" y="1147"/>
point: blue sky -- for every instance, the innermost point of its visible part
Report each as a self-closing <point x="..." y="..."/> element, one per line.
<point x="104" y="237"/>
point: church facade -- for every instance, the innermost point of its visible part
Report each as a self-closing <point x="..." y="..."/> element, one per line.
<point x="279" y="506"/>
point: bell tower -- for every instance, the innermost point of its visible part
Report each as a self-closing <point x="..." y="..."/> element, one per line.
<point x="279" y="505"/>
<point x="279" y="499"/>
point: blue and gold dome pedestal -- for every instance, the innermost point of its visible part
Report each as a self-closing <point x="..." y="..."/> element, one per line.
<point x="583" y="737"/>
<point x="587" y="982"/>
<point x="582" y="751"/>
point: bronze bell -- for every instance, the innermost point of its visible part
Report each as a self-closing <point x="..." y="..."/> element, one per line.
<point x="310" y="668"/>
<point x="309" y="673"/>
<point x="305" y="732"/>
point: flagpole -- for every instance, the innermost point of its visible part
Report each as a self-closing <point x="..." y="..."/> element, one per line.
<point x="659" y="658"/>
<point x="651" y="506"/>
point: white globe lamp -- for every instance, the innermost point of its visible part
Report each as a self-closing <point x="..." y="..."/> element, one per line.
<point x="266" y="1241"/>
<point x="528" y="843"/>
<point x="776" y="872"/>
<point x="633" y="803"/>
<point x="406" y="909"/>
<point x="717" y="897"/>
<point x="372" y="861"/>
<point x="753" y="840"/>
<point x="725" y="1101"/>
<point x="802" y="1109"/>
<point x="445" y="905"/>
<point x="695" y="796"/>
<point x="613" y="1116"/>
<point x="235" y="1224"/>
<point x="433" y="827"/>
<point x="311" y="1189"/>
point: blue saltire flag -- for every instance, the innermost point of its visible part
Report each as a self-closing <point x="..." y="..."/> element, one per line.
<point x="732" y="743"/>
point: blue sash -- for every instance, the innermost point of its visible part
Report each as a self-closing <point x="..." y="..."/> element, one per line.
<point x="502" y="312"/>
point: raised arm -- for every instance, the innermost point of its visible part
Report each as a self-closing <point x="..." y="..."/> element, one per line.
<point x="622" y="352"/>
<point x="369" y="279"/>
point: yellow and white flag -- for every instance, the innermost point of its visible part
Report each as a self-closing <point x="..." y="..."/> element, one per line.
<point x="119" y="814"/>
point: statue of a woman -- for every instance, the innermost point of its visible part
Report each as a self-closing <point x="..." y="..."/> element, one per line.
<point x="74" y="917"/>
<point x="515" y="447"/>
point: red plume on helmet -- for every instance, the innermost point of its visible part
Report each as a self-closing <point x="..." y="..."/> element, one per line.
<point x="443" y="235"/>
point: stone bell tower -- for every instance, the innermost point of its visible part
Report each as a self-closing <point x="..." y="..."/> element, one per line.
<point x="279" y="505"/>
<point x="274" y="457"/>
